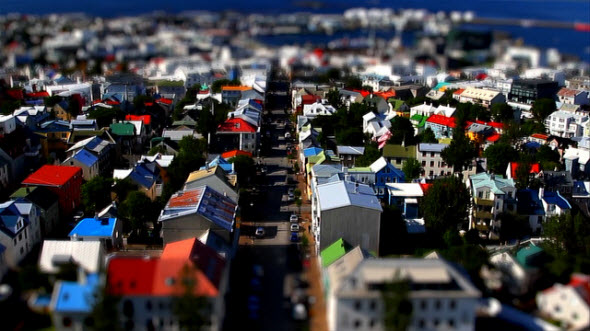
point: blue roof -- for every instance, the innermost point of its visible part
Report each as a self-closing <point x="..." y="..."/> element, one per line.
<point x="76" y="297"/>
<point x="9" y="217"/>
<point x="221" y="162"/>
<point x="143" y="176"/>
<point x="85" y="157"/>
<point x="528" y="202"/>
<point x="90" y="227"/>
<point x="554" y="198"/>
<point x="312" y="151"/>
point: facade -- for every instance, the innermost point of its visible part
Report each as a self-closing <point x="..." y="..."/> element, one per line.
<point x="398" y="154"/>
<point x="568" y="303"/>
<point x="573" y="97"/>
<point x="192" y="212"/>
<point x="349" y="154"/>
<point x="108" y="231"/>
<point x="85" y="160"/>
<point x="47" y="203"/>
<point x="71" y="303"/>
<point x="235" y="133"/>
<point x="442" y="126"/>
<point x="566" y="124"/>
<point x="577" y="162"/>
<point x="433" y="165"/>
<point x="385" y="173"/>
<point x="492" y="195"/>
<point x="145" y="174"/>
<point x="483" y="97"/>
<point x="528" y="90"/>
<point x="341" y="208"/>
<point x="441" y="297"/>
<point x="20" y="229"/>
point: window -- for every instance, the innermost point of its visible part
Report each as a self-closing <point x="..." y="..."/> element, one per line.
<point x="437" y="304"/>
<point x="372" y="323"/>
<point x="357" y="324"/>
<point x="148" y="305"/>
<point x="373" y="305"/>
<point x="423" y="305"/>
<point x="357" y="305"/>
<point x="421" y="324"/>
<point x="451" y="323"/>
<point x="424" y="163"/>
<point x="66" y="321"/>
<point x="452" y="304"/>
<point x="435" y="322"/>
<point x="423" y="154"/>
<point x="22" y="250"/>
<point x="432" y="163"/>
<point x="431" y="154"/>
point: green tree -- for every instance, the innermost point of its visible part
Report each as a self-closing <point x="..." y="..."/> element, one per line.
<point x="543" y="108"/>
<point x="412" y="169"/>
<point x="498" y="156"/>
<point x="402" y="130"/>
<point x="353" y="82"/>
<point x="371" y="154"/>
<point x="427" y="136"/>
<point x="138" y="209"/>
<point x="52" y="100"/>
<point x="140" y="100"/>
<point x="245" y="169"/>
<point x="122" y="188"/>
<point x="460" y="152"/>
<point x="445" y="205"/>
<point x="548" y="158"/>
<point x="502" y="112"/>
<point x="190" y="309"/>
<point x="96" y="194"/>
<point x="367" y="88"/>
<point x="513" y="226"/>
<point x="105" y="116"/>
<point x="333" y="97"/>
<point x="397" y="312"/>
<point x="218" y="84"/>
<point x="105" y="312"/>
<point x="352" y="136"/>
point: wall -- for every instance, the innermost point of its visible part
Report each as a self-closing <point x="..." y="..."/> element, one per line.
<point x="344" y="223"/>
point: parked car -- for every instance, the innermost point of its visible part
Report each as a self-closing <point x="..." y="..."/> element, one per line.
<point x="293" y="218"/>
<point x="259" y="233"/>
<point x="294" y="227"/>
<point x="287" y="135"/>
<point x="299" y="312"/>
<point x="294" y="237"/>
<point x="291" y="194"/>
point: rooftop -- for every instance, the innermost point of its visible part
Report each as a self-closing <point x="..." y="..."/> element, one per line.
<point x="52" y="175"/>
<point x="92" y="227"/>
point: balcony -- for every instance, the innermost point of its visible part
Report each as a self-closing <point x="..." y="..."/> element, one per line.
<point x="484" y="202"/>
<point x="483" y="214"/>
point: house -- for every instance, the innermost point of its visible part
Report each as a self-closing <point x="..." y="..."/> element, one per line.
<point x="108" y="231"/>
<point x="103" y="149"/>
<point x="236" y="133"/>
<point x="378" y="103"/>
<point x="529" y="204"/>
<point x="441" y="297"/>
<point x="553" y="203"/>
<point x="483" y="97"/>
<point x="85" y="160"/>
<point x="526" y="91"/>
<point x="20" y="229"/>
<point x="576" y="162"/>
<point x="7" y="124"/>
<point x="535" y="169"/>
<point x="385" y="172"/>
<point x="398" y="154"/>
<point x="88" y="255"/>
<point x="318" y="109"/>
<point x="47" y="203"/>
<point x="147" y="285"/>
<point x="232" y="94"/>
<point x="72" y="302"/>
<point x="442" y="126"/>
<point x="566" y="124"/>
<point x="216" y="178"/>
<point x="64" y="181"/>
<point x="21" y="152"/>
<point x="53" y="136"/>
<point x="569" y="303"/>
<point x="492" y="195"/>
<point x="375" y="125"/>
<point x="128" y="135"/>
<point x="406" y="197"/>
<point x="573" y="96"/>
<point x="145" y="174"/>
<point x="433" y="165"/>
<point x="349" y="154"/>
<point x="343" y="207"/>
<point x="231" y="154"/>
<point x="519" y="267"/>
<point x="123" y="86"/>
<point x="560" y="181"/>
<point x="192" y="212"/>
<point x="177" y="133"/>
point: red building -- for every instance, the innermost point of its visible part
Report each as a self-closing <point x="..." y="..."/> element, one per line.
<point x="65" y="181"/>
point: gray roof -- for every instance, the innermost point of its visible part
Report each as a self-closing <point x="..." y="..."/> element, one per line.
<point x="343" y="194"/>
<point x="352" y="150"/>
<point x="437" y="148"/>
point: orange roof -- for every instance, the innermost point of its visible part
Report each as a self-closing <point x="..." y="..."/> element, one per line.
<point x="187" y="198"/>
<point x="228" y="155"/>
<point x="442" y="120"/>
<point x="385" y="95"/>
<point x="459" y="91"/>
<point x="165" y="101"/>
<point x="493" y="138"/>
<point x="52" y="175"/>
<point x="235" y="88"/>
<point x="535" y="168"/>
<point x="364" y="93"/>
<point x="146" y="119"/>
<point x="540" y="136"/>
<point x="131" y="275"/>
<point x="236" y="125"/>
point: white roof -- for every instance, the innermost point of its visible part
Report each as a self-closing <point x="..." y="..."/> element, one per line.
<point x="86" y="254"/>
<point x="162" y="160"/>
<point x="121" y="173"/>
<point x="378" y="165"/>
<point x="342" y="194"/>
<point x="582" y="155"/>
<point x="477" y="93"/>
<point x="405" y="189"/>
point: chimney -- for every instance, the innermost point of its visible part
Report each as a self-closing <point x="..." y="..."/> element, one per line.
<point x="356" y="187"/>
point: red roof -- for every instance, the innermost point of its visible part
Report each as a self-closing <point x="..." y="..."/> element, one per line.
<point x="52" y="175"/>
<point x="362" y="92"/>
<point x="165" y="100"/>
<point x="40" y="94"/>
<point x="309" y="99"/>
<point x="493" y="138"/>
<point x="131" y="275"/>
<point x="228" y="155"/>
<point x="442" y="120"/>
<point x="481" y="76"/>
<point x="496" y="125"/>
<point x="385" y="95"/>
<point x="15" y="94"/>
<point x="112" y="102"/>
<point x="236" y="125"/>
<point x="540" y="136"/>
<point x="148" y="104"/>
<point x="567" y="92"/>
<point x="535" y="168"/>
<point x="459" y="91"/>
<point x="425" y="187"/>
<point x="186" y="199"/>
<point x="146" y="119"/>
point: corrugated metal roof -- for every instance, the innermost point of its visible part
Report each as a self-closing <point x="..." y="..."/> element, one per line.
<point x="343" y="194"/>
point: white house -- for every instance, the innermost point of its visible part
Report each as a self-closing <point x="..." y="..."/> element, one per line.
<point x="566" y="124"/>
<point x="318" y="109"/>
<point x="483" y="97"/>
<point x="568" y="303"/>
<point x="375" y="126"/>
<point x="572" y="96"/>
<point x="7" y="124"/>
<point x="20" y="229"/>
<point x="88" y="255"/>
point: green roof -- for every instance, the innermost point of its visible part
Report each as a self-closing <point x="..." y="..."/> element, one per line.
<point x="360" y="169"/>
<point x="23" y="192"/>
<point x="399" y="151"/>
<point x="335" y="251"/>
<point x="170" y="83"/>
<point x="317" y="159"/>
<point x="523" y="256"/>
<point x="396" y="103"/>
<point x="123" y="129"/>
<point x="420" y="119"/>
<point x="496" y="183"/>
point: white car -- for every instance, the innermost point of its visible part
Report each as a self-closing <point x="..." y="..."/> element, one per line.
<point x="294" y="227"/>
<point x="293" y="218"/>
<point x="287" y="135"/>
<point x="259" y="232"/>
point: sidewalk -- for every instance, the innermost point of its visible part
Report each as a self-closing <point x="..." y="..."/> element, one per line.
<point x="317" y="312"/>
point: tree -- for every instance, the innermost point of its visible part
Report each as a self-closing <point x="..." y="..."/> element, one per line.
<point x="445" y="205"/>
<point x="501" y="112"/>
<point x="333" y="97"/>
<point x="353" y="82"/>
<point x="96" y="194"/>
<point x="427" y="136"/>
<point x="371" y="154"/>
<point x="460" y="152"/>
<point x="543" y="108"/>
<point x="122" y="188"/>
<point x="412" y="169"/>
<point x="105" y="116"/>
<point x="402" y="130"/>
<point x="105" y="314"/>
<point x="140" y="100"/>
<point x="138" y="209"/>
<point x="52" y="100"/>
<point x="513" y="226"/>
<point x="245" y="169"/>
<point x="397" y="312"/>
<point x="189" y="308"/>
<point x="367" y="88"/>
<point x="548" y="158"/>
<point x="351" y="136"/>
<point x="498" y="156"/>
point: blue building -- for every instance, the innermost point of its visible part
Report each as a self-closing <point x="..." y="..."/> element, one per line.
<point x="106" y="230"/>
<point x="385" y="172"/>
